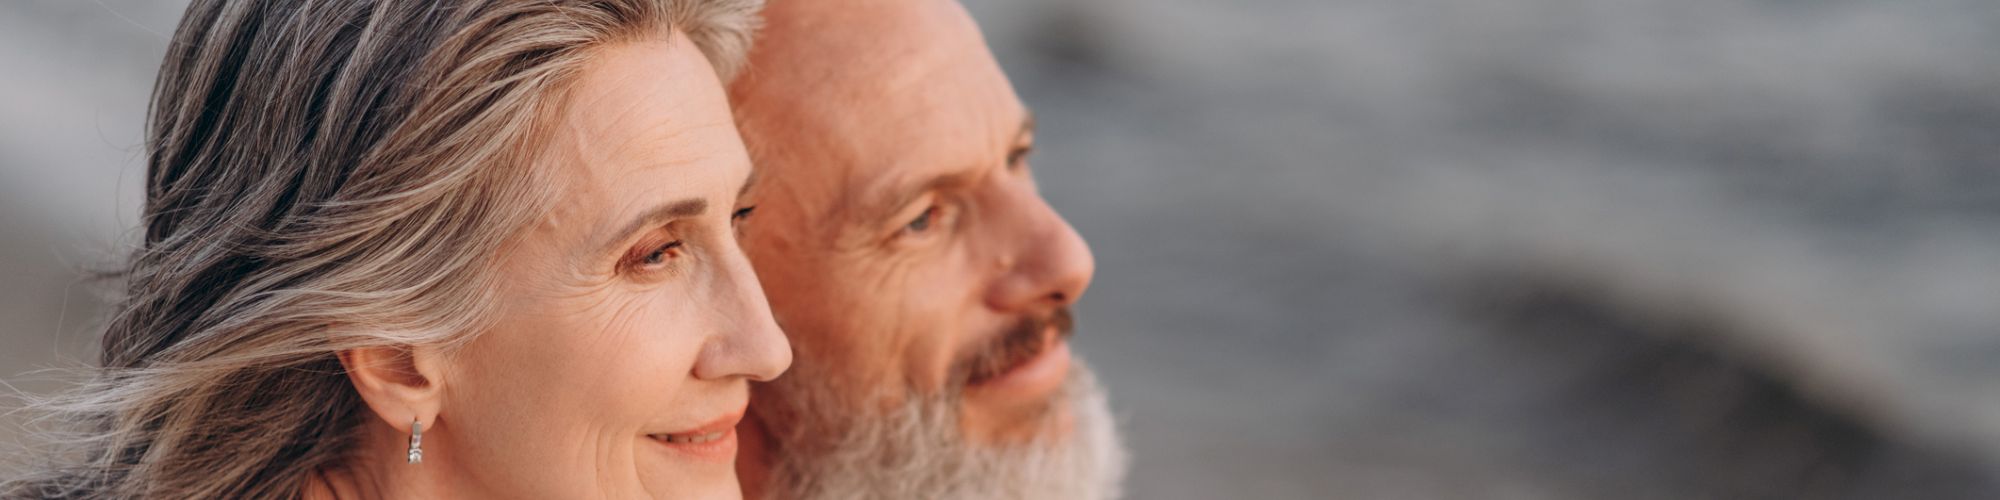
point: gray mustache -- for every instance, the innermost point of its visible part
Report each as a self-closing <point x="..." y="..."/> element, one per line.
<point x="1022" y="341"/>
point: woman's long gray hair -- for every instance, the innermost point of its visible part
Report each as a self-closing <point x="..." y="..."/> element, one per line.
<point x="322" y="175"/>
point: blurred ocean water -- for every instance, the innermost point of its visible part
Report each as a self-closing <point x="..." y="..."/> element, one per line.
<point x="1537" y="249"/>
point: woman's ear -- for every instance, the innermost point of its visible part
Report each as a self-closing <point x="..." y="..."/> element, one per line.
<point x="401" y="384"/>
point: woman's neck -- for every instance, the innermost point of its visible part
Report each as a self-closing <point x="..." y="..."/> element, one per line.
<point x="342" y="483"/>
<point x="330" y="485"/>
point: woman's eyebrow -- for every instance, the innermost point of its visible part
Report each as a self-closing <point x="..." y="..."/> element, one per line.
<point x="681" y="209"/>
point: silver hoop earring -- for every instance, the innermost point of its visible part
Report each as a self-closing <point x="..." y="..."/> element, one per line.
<point x="416" y="441"/>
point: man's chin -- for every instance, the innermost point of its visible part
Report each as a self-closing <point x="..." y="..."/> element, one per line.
<point x="1069" y="449"/>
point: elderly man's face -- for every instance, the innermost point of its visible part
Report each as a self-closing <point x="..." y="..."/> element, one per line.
<point x="900" y="236"/>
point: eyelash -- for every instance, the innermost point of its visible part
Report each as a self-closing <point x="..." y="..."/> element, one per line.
<point x="659" y="255"/>
<point x="932" y="216"/>
<point x="655" y="258"/>
<point x="1019" y="156"/>
<point x="927" y="218"/>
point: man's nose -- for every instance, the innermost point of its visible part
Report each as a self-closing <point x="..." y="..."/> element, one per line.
<point x="748" y="343"/>
<point x="1044" y="262"/>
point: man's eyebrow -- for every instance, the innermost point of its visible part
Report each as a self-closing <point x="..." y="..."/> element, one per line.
<point x="669" y="211"/>
<point x="902" y="193"/>
<point x="748" y="181"/>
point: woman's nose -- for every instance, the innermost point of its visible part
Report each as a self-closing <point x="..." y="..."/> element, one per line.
<point x="748" y="343"/>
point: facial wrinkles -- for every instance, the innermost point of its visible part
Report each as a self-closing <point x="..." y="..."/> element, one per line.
<point x="615" y="467"/>
<point x="591" y="317"/>
<point x="908" y="327"/>
<point x="960" y="136"/>
<point x="591" y="444"/>
<point x="617" y="444"/>
<point x="622" y="140"/>
<point x="957" y="301"/>
<point x="627" y="317"/>
<point x="885" y="280"/>
<point x="803" y="167"/>
<point x="588" y="408"/>
<point x="558" y="247"/>
<point x="542" y="259"/>
<point x="595" y="122"/>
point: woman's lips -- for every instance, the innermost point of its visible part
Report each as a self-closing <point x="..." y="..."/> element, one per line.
<point x="690" y="438"/>
<point x="715" y="440"/>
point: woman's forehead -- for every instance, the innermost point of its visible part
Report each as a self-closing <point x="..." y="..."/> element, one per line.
<point x="647" y="123"/>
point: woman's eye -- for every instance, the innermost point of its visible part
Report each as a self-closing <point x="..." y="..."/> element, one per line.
<point x="741" y="214"/>
<point x="922" y="222"/>
<point x="660" y="254"/>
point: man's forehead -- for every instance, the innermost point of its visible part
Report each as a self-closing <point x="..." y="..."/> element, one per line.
<point x="867" y="58"/>
<point x="812" y="33"/>
<point x="871" y="93"/>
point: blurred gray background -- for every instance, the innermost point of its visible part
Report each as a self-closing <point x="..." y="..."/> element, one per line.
<point x="1394" y="249"/>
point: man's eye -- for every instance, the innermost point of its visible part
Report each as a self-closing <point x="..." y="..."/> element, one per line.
<point x="1018" y="156"/>
<point x="922" y="222"/>
<point x="741" y="215"/>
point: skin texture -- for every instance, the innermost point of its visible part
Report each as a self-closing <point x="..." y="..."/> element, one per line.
<point x="899" y="227"/>
<point x="604" y="336"/>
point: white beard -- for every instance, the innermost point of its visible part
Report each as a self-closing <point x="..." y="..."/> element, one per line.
<point x="917" y="451"/>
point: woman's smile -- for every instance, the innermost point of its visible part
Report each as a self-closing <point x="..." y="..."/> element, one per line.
<point x="712" y="441"/>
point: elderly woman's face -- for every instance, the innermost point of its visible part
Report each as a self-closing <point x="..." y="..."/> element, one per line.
<point x="630" y="323"/>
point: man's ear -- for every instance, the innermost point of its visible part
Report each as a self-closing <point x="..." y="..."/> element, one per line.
<point x="401" y="384"/>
